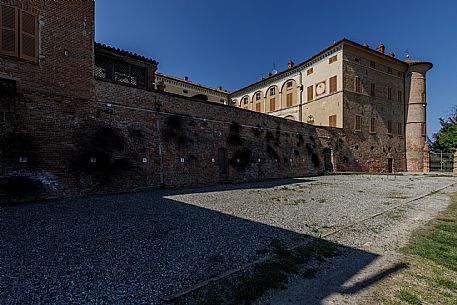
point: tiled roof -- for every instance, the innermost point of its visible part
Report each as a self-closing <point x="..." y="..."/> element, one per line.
<point x="126" y="53"/>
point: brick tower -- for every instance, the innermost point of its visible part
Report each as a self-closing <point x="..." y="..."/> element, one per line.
<point x="415" y="135"/>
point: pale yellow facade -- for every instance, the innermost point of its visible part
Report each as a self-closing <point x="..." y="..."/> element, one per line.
<point x="190" y="89"/>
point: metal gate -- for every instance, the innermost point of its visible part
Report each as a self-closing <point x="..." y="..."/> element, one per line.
<point x="441" y="162"/>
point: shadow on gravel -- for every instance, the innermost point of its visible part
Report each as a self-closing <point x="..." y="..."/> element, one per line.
<point x="134" y="248"/>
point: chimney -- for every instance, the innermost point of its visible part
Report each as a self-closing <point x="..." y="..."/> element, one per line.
<point x="290" y="64"/>
<point x="391" y="54"/>
<point x="381" y="48"/>
<point x="186" y="78"/>
<point x="219" y="88"/>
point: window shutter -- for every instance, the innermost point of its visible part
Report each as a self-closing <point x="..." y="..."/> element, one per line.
<point x="257" y="107"/>
<point x="9" y="29"/>
<point x="289" y="99"/>
<point x="272" y="104"/>
<point x="333" y="84"/>
<point x="310" y="93"/>
<point x="29" y="37"/>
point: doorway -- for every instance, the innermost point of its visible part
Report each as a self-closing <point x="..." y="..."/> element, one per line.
<point x="222" y="160"/>
<point x="390" y="165"/>
<point x="328" y="160"/>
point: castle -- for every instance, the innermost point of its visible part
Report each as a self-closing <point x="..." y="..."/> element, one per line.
<point x="79" y="117"/>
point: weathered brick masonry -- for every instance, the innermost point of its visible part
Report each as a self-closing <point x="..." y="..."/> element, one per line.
<point x="65" y="133"/>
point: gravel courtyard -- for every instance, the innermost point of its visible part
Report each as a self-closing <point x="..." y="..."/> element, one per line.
<point x="138" y="248"/>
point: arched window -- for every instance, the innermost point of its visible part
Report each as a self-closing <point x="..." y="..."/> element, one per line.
<point x="257" y="100"/>
<point x="272" y="99"/>
<point x="289" y="93"/>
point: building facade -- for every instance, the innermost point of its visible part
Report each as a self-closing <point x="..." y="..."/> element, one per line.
<point x="61" y="92"/>
<point x="351" y="86"/>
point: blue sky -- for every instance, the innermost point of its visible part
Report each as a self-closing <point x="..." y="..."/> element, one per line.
<point x="233" y="43"/>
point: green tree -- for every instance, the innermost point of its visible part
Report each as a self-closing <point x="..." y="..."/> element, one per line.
<point x="446" y="138"/>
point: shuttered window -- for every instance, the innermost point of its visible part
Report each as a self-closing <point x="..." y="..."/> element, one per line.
<point x="19" y="33"/>
<point x="389" y="94"/>
<point x="29" y="35"/>
<point x="333" y="59"/>
<point x="358" y="85"/>
<point x="358" y="123"/>
<point x="333" y="83"/>
<point x="400" y="129"/>
<point x="289" y="100"/>
<point x="332" y="121"/>
<point x="310" y="93"/>
<point x="272" y="104"/>
<point x="9" y="30"/>
<point x="389" y="127"/>
<point x="373" y="89"/>
<point x="257" y="107"/>
<point x="373" y="125"/>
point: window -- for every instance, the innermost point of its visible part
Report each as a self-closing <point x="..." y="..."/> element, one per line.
<point x="273" y="91"/>
<point x="108" y="69"/>
<point x="333" y="84"/>
<point x="399" y="129"/>
<point x="185" y="91"/>
<point x="358" y="123"/>
<point x="400" y="96"/>
<point x="373" y="125"/>
<point x="373" y="89"/>
<point x="423" y="97"/>
<point x="389" y="94"/>
<point x="245" y="100"/>
<point x="372" y="64"/>
<point x="272" y="104"/>
<point x="358" y="85"/>
<point x="401" y="74"/>
<point x="18" y="33"/>
<point x="332" y="121"/>
<point x="310" y="71"/>
<point x="423" y="130"/>
<point x="389" y="127"/>
<point x="332" y="59"/>
<point x="258" y="96"/>
<point x="257" y="107"/>
<point x="289" y="85"/>
<point x="357" y="59"/>
<point x="310" y="93"/>
<point x="289" y="100"/>
<point x="389" y="70"/>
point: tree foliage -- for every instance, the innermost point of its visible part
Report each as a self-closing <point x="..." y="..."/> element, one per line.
<point x="446" y="138"/>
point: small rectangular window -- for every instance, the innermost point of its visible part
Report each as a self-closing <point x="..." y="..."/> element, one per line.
<point x="399" y="129"/>
<point x="333" y="59"/>
<point x="333" y="84"/>
<point x="373" y="125"/>
<point x="257" y="96"/>
<point x="389" y="94"/>
<point x="389" y="70"/>
<point x="273" y="91"/>
<point x="272" y="104"/>
<point x="358" y="85"/>
<point x="372" y="64"/>
<point x="389" y="127"/>
<point x="423" y="98"/>
<point x="289" y="84"/>
<point x="373" y="89"/>
<point x="423" y="130"/>
<point x="400" y="96"/>
<point x="289" y="100"/>
<point x="310" y="71"/>
<point x="332" y="121"/>
<point x="245" y="100"/>
<point x="358" y="123"/>
<point x="310" y="93"/>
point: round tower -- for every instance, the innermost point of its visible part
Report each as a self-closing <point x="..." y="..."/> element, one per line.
<point x="416" y="131"/>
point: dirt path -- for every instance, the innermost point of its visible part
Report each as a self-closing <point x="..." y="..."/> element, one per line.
<point x="382" y="236"/>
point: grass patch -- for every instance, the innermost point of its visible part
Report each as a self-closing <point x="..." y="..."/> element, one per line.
<point x="272" y="274"/>
<point x="432" y="273"/>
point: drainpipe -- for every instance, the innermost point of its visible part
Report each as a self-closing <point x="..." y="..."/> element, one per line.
<point x="300" y="110"/>
<point x="160" y="154"/>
